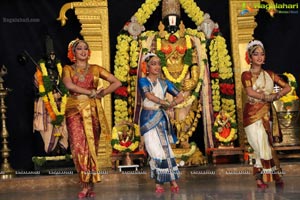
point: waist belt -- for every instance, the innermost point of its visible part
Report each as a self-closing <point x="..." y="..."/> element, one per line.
<point x="151" y="108"/>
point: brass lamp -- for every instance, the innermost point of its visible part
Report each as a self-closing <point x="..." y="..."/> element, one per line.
<point x="6" y="171"/>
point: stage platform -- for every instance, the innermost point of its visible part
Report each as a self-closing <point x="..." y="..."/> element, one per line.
<point x="221" y="181"/>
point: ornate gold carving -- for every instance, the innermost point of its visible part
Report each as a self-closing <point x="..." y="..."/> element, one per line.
<point x="242" y="28"/>
<point x="93" y="16"/>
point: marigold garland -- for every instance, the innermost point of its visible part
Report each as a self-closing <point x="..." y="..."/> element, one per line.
<point x="187" y="62"/>
<point x="222" y="83"/>
<point x="291" y="96"/>
<point x="45" y="87"/>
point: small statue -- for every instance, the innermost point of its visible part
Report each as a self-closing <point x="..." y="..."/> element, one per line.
<point x="224" y="129"/>
<point x="125" y="137"/>
<point x="49" y="116"/>
<point x="224" y="125"/>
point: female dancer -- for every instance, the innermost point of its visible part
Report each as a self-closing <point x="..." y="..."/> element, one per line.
<point x="85" y="118"/>
<point x="258" y="84"/>
<point x="154" y="123"/>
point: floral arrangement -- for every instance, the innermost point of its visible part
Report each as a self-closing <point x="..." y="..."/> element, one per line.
<point x="45" y="87"/>
<point x="291" y="96"/>
<point x="221" y="77"/>
<point x="225" y="128"/>
<point x="130" y="143"/>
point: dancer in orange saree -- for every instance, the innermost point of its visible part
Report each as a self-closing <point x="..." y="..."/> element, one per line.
<point x="85" y="118"/>
<point x="258" y="84"/>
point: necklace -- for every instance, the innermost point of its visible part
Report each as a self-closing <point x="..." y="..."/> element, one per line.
<point x="255" y="74"/>
<point x="153" y="83"/>
<point x="81" y="73"/>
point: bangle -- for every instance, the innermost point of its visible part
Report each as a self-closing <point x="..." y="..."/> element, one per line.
<point x="175" y="102"/>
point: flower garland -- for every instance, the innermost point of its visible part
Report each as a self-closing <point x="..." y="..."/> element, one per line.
<point x="130" y="145"/>
<point x="146" y="10"/>
<point x="46" y="92"/>
<point x="221" y="77"/>
<point x="121" y="73"/>
<point x="186" y="61"/>
<point x="188" y="101"/>
<point x="184" y="156"/>
<point x="219" y="125"/>
<point x="291" y="96"/>
<point x="193" y="11"/>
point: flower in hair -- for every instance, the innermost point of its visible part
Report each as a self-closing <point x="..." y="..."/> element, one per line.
<point x="254" y="43"/>
<point x="71" y="50"/>
<point x="147" y="56"/>
<point x="247" y="57"/>
<point x="71" y="55"/>
<point x="144" y="67"/>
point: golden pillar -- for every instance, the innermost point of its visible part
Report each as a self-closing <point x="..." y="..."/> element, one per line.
<point x="242" y="24"/>
<point x="242" y="21"/>
<point x="93" y="16"/>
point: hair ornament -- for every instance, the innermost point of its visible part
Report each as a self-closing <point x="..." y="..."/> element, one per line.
<point x="147" y="56"/>
<point x="254" y="43"/>
<point x="71" y="49"/>
<point x="71" y="55"/>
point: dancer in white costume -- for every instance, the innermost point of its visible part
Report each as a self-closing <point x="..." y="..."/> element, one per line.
<point x="154" y="123"/>
<point x="258" y="84"/>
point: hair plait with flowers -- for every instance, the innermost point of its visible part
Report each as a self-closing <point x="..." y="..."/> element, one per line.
<point x="250" y="46"/>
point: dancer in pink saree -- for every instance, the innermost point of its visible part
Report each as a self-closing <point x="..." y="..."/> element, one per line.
<point x="85" y="118"/>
